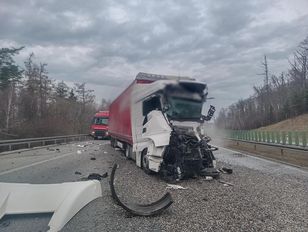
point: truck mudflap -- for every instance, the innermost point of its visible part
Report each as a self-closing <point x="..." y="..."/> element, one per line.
<point x="64" y="199"/>
<point x="139" y="209"/>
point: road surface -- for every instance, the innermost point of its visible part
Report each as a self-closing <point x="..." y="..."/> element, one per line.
<point x="261" y="195"/>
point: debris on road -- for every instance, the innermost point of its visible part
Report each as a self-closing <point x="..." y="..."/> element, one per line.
<point x="208" y="178"/>
<point x="92" y="158"/>
<point x="226" y="170"/>
<point x="138" y="209"/>
<point x="5" y="224"/>
<point x="97" y="176"/>
<point x="238" y="154"/>
<point x="105" y="152"/>
<point x="79" y="152"/>
<point x="174" y="186"/>
<point x="225" y="183"/>
<point x="78" y="173"/>
<point x="64" y="200"/>
<point x="79" y="145"/>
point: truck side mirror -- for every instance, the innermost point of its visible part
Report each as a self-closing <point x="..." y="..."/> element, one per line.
<point x="210" y="114"/>
<point x="166" y="107"/>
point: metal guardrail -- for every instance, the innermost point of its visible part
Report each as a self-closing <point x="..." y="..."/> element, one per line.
<point x="281" y="146"/>
<point x="286" y="138"/>
<point x="15" y="144"/>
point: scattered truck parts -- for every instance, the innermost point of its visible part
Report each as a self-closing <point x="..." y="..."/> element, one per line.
<point x="138" y="209"/>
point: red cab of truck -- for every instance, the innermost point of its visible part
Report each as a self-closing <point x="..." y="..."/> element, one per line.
<point x="99" y="126"/>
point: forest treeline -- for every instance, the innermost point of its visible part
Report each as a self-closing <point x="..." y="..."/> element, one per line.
<point x="280" y="97"/>
<point x="34" y="105"/>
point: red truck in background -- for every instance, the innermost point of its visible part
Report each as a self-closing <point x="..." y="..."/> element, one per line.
<point x="99" y="126"/>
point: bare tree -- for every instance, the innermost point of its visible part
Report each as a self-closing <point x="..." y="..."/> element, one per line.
<point x="279" y="98"/>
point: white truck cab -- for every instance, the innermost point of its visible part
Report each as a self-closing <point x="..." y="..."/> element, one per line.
<point x="167" y="126"/>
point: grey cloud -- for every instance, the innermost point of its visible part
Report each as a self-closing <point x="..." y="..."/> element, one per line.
<point x="105" y="43"/>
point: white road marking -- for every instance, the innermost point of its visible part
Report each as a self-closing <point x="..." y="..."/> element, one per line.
<point x="36" y="163"/>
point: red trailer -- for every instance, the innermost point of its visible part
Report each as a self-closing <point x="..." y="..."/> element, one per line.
<point x="120" y="113"/>
<point x="99" y="126"/>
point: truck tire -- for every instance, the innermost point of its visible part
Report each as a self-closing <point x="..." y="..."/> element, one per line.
<point x="145" y="162"/>
<point x="112" y="142"/>
<point x="128" y="151"/>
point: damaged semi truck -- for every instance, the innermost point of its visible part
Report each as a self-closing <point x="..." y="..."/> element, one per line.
<point x="158" y="122"/>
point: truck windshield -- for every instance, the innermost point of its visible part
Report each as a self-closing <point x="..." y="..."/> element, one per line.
<point x="100" y="121"/>
<point x="181" y="108"/>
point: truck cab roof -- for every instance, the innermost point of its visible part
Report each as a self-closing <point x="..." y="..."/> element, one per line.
<point x="156" y="83"/>
<point x="102" y="114"/>
<point x="149" y="77"/>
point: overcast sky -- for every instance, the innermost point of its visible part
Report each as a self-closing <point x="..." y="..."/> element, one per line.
<point x="106" y="43"/>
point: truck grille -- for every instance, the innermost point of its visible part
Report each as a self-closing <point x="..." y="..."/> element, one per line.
<point x="100" y="133"/>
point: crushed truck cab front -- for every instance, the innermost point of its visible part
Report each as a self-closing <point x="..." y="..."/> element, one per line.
<point x="172" y="141"/>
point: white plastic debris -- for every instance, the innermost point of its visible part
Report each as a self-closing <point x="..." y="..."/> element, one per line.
<point x="174" y="186"/>
<point x="65" y="199"/>
<point x="79" y="152"/>
<point x="208" y="178"/>
<point x="105" y="152"/>
<point x="225" y="183"/>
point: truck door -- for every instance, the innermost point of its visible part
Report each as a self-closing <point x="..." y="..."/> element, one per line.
<point x="145" y="107"/>
<point x="155" y="126"/>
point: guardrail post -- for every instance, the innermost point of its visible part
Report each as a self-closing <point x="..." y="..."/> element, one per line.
<point x="296" y="138"/>
<point x="278" y="137"/>
<point x="273" y="137"/>
<point x="304" y="140"/>
<point x="259" y="136"/>
<point x="267" y="137"/>
<point x="290" y="138"/>
<point x="283" y="135"/>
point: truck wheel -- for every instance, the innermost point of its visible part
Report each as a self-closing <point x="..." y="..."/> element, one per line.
<point x="112" y="142"/>
<point x="128" y="151"/>
<point x="145" y="162"/>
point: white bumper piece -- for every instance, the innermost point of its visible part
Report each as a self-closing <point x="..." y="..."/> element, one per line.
<point x="65" y="199"/>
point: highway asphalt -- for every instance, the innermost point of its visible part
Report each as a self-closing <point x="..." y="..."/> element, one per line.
<point x="260" y="195"/>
